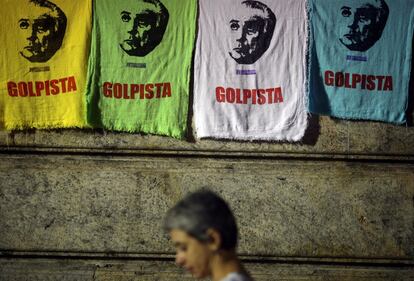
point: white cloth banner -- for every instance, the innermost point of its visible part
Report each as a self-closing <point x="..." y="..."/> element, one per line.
<point x="250" y="69"/>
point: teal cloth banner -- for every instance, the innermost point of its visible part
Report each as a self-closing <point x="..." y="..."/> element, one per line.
<point x="361" y="58"/>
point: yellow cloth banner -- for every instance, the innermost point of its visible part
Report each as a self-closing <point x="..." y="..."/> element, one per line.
<point x="45" y="45"/>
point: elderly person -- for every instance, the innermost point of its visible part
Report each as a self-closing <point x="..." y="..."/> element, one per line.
<point x="251" y="32"/>
<point x="43" y="29"/>
<point x="142" y="26"/>
<point x="204" y="232"/>
<point x="361" y="24"/>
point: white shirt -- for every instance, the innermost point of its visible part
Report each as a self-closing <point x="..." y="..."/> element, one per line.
<point x="235" y="276"/>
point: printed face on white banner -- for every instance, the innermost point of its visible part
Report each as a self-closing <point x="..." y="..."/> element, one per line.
<point x="41" y="31"/>
<point x="361" y="24"/>
<point x="142" y="26"/>
<point x="251" y="31"/>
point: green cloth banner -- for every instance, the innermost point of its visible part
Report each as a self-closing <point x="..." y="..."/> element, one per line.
<point x="139" y="66"/>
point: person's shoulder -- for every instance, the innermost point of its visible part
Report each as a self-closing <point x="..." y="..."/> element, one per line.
<point x="235" y="276"/>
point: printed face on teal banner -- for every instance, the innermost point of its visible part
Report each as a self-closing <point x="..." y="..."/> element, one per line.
<point x="41" y="31"/>
<point x="142" y="24"/>
<point x="361" y="23"/>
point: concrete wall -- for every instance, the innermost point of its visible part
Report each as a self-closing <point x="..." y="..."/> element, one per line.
<point x="87" y="205"/>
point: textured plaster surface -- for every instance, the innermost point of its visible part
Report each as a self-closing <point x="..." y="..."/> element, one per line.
<point x="324" y="136"/>
<point x="284" y="207"/>
<point x="99" y="270"/>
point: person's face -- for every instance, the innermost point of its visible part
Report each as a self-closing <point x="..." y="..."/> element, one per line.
<point x="37" y="29"/>
<point x="247" y="34"/>
<point x="357" y="25"/>
<point x="138" y="27"/>
<point x="191" y="254"/>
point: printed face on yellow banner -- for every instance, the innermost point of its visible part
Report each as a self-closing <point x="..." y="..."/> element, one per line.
<point x="40" y="30"/>
<point x="142" y="26"/>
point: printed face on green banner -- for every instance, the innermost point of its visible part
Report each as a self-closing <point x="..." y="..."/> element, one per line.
<point x="142" y="24"/>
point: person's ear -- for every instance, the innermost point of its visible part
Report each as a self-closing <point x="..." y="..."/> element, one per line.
<point x="214" y="242"/>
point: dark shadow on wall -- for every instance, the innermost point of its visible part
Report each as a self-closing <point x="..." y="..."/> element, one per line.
<point x="318" y="98"/>
<point x="94" y="113"/>
<point x="312" y="131"/>
<point x="410" y="107"/>
<point x="190" y="128"/>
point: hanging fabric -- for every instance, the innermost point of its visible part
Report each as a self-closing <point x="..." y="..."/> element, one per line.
<point x="139" y="67"/>
<point x="361" y="58"/>
<point x="250" y="70"/>
<point x="44" y="52"/>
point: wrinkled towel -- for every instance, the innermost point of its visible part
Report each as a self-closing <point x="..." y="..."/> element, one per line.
<point x="361" y="58"/>
<point x="139" y="66"/>
<point x="44" y="52"/>
<point x="250" y="70"/>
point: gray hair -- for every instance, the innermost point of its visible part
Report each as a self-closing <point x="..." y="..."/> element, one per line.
<point x="200" y="211"/>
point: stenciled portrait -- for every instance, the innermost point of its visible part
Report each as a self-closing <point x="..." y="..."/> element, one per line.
<point x="142" y="26"/>
<point x="41" y="31"/>
<point x="361" y="23"/>
<point x="251" y="31"/>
